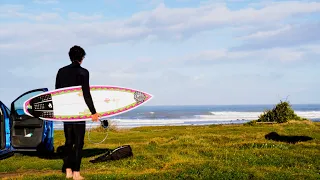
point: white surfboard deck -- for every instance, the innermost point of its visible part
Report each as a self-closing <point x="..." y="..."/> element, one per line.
<point x="68" y="104"/>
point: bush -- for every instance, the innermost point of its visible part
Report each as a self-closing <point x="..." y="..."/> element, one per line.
<point x="251" y="123"/>
<point x="280" y="114"/>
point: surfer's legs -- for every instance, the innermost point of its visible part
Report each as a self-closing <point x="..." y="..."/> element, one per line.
<point x="69" y="155"/>
<point x="80" y="129"/>
<point x="74" y="134"/>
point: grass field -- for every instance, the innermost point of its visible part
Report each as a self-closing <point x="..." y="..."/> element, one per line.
<point x="189" y="152"/>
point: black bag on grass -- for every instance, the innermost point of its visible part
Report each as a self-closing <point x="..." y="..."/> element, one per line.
<point x="118" y="153"/>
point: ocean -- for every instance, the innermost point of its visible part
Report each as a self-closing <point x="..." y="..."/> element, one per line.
<point x="198" y="115"/>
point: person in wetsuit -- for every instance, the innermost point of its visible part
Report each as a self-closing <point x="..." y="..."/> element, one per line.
<point x="75" y="75"/>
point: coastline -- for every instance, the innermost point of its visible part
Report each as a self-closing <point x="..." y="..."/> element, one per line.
<point x="90" y="124"/>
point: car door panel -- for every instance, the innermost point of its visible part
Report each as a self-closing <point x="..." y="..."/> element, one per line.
<point x="27" y="132"/>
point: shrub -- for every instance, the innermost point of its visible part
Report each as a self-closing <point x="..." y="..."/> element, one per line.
<point x="281" y="113"/>
<point x="251" y="123"/>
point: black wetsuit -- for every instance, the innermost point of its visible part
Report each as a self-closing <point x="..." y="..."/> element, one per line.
<point x="74" y="75"/>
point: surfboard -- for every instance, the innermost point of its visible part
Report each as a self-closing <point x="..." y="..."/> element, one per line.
<point x="68" y="104"/>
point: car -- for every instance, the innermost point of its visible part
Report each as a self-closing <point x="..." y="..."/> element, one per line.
<point x="23" y="133"/>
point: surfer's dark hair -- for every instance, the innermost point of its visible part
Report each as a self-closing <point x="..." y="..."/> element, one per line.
<point x="76" y="53"/>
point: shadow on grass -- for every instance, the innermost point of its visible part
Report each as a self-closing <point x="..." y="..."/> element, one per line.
<point x="60" y="150"/>
<point x="288" y="139"/>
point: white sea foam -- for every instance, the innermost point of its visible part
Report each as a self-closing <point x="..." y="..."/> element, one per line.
<point x="230" y="115"/>
<point x="308" y="114"/>
<point x="128" y="123"/>
<point x="221" y="117"/>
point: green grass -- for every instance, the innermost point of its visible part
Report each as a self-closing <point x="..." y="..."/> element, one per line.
<point x="189" y="152"/>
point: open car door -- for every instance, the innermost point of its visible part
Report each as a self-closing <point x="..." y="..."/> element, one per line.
<point x="5" y="145"/>
<point x="30" y="133"/>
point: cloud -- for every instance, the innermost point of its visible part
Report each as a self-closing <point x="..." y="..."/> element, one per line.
<point x="140" y="4"/>
<point x="45" y="1"/>
<point x="219" y="15"/>
<point x="7" y="8"/>
<point x="19" y="12"/>
<point x="141" y="71"/>
<point x="178" y="69"/>
<point x="57" y="9"/>
<point x="159" y="23"/>
<point x="286" y="36"/>
<point x="81" y="17"/>
<point x="149" y="3"/>
<point x="209" y="58"/>
<point x="266" y="34"/>
<point x="131" y="70"/>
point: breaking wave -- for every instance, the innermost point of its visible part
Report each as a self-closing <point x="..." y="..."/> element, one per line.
<point x="218" y="117"/>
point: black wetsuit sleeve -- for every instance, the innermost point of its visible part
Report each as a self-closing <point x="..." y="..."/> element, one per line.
<point x="86" y="92"/>
<point x="58" y="84"/>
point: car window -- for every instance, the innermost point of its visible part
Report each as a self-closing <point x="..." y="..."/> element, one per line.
<point x="18" y="105"/>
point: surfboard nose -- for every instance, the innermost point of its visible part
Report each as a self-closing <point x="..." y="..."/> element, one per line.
<point x="148" y="96"/>
<point x="141" y="97"/>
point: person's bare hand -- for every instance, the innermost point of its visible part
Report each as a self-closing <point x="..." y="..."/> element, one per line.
<point x="95" y="117"/>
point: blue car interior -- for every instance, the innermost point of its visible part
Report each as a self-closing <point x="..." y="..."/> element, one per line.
<point x="20" y="132"/>
<point x="6" y="148"/>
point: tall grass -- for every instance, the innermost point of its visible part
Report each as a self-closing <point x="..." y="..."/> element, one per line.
<point x="189" y="152"/>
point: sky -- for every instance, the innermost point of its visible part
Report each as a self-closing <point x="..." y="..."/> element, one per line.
<point x="183" y="52"/>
